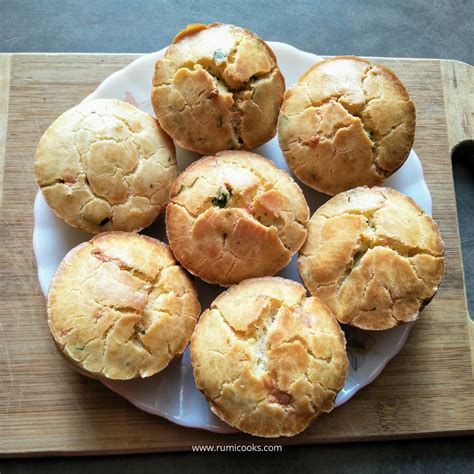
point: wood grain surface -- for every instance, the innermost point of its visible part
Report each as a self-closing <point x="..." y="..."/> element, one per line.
<point x="5" y="61"/>
<point x="47" y="408"/>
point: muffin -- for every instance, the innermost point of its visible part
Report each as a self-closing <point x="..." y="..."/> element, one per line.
<point x="373" y="257"/>
<point x="218" y="88"/>
<point x="119" y="306"/>
<point x="235" y="216"/>
<point x="106" y="165"/>
<point x="268" y="359"/>
<point x="346" y="123"/>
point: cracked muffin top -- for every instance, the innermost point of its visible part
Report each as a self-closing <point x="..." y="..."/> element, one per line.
<point x="106" y="165"/>
<point x="120" y="307"/>
<point x="218" y="88"/>
<point x="235" y="216"/>
<point x="269" y="359"/>
<point x="373" y="257"/>
<point x="346" y="123"/>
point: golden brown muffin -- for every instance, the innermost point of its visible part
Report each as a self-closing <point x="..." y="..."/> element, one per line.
<point x="268" y="359"/>
<point x="373" y="257"/>
<point x="235" y="216"/>
<point x="120" y="307"/>
<point x="346" y="123"/>
<point x="218" y="88"/>
<point x="106" y="165"/>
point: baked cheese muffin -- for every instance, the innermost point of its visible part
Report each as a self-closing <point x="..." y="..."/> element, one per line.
<point x="235" y="216"/>
<point x="268" y="359"/>
<point x="346" y="123"/>
<point x="119" y="306"/>
<point x="218" y="88"/>
<point x="373" y="257"/>
<point x="106" y="165"/>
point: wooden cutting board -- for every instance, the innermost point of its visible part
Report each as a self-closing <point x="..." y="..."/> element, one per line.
<point x="45" y="407"/>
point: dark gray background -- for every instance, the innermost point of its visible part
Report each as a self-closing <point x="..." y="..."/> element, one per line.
<point x="412" y="28"/>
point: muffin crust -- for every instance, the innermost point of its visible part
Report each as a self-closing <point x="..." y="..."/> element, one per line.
<point x="346" y="123"/>
<point x="218" y="88"/>
<point x="106" y="165"/>
<point x="373" y="257"/>
<point x="119" y="306"/>
<point x="235" y="216"/>
<point x="268" y="359"/>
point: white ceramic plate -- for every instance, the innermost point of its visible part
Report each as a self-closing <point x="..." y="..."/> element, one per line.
<point x="172" y="393"/>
